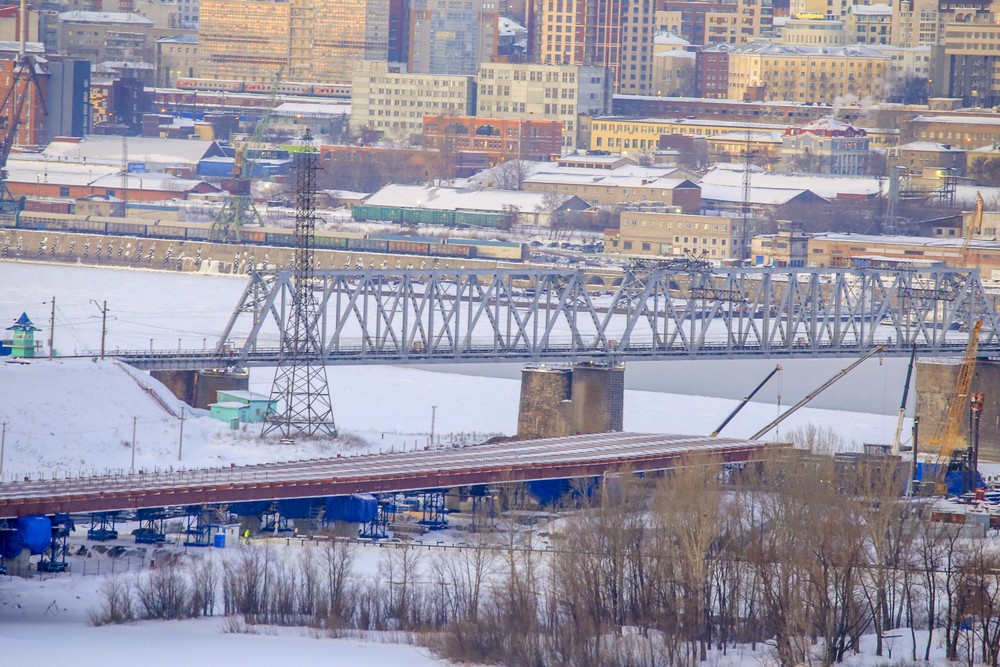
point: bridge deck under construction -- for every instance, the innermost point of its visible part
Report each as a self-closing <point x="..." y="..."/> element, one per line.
<point x="503" y="462"/>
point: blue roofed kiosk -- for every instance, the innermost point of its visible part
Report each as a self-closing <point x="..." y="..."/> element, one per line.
<point x="23" y="341"/>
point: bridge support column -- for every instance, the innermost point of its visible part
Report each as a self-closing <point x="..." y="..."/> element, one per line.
<point x="199" y="388"/>
<point x="568" y="400"/>
<point x="935" y="385"/>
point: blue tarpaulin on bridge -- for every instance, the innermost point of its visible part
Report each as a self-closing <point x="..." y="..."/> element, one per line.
<point x="359" y="508"/>
<point x="296" y="508"/>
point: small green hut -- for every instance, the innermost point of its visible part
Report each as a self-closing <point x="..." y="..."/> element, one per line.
<point x="23" y="341"/>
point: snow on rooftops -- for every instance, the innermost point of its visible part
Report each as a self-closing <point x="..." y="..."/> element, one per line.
<point x="674" y="53"/>
<point x="760" y="196"/>
<point x="310" y="109"/>
<point x="828" y="187"/>
<point x="923" y="241"/>
<point x="765" y="48"/>
<point x="104" y="17"/>
<point x="930" y="147"/>
<point x="871" y="10"/>
<point x="974" y="119"/>
<point x="774" y="137"/>
<point x="509" y="26"/>
<point x="665" y="37"/>
<point x="828" y="126"/>
<point x="108" y="150"/>
<point x="452" y="199"/>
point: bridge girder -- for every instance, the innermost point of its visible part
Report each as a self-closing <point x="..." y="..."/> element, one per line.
<point x="537" y="314"/>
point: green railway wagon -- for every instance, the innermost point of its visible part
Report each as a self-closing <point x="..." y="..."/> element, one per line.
<point x="478" y="218"/>
<point x="427" y="216"/>
<point x="384" y="213"/>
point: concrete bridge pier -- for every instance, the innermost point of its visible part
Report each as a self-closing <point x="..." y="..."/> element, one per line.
<point x="198" y="388"/>
<point x="560" y="400"/>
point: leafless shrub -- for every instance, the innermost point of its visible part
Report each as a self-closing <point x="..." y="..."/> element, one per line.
<point x="116" y="602"/>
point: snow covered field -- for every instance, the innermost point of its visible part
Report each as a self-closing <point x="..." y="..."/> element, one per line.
<point x="78" y="415"/>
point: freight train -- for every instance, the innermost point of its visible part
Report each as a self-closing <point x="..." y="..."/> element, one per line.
<point x="335" y="90"/>
<point x="264" y="236"/>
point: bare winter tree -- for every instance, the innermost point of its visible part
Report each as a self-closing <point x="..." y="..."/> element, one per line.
<point x="512" y="174"/>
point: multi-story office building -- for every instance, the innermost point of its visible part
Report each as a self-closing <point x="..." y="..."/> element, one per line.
<point x="673" y="68"/>
<point x="244" y="40"/>
<point x="104" y="36"/>
<point x="972" y="55"/>
<point x="452" y="38"/>
<point x="766" y="71"/>
<point x="713" y="22"/>
<point x="385" y="98"/>
<point x="814" y="32"/>
<point x="915" y="23"/>
<point x="251" y="40"/>
<point x="673" y="234"/>
<point x="870" y="24"/>
<point x="176" y="58"/>
<point x="553" y="92"/>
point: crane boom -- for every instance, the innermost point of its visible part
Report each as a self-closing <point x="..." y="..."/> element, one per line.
<point x="239" y="210"/>
<point x="950" y="436"/>
<point x="745" y="400"/>
<point x="12" y="111"/>
<point x="902" y="403"/>
<point x="816" y="392"/>
<point x="975" y="227"/>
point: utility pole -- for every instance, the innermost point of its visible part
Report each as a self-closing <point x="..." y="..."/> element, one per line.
<point x="52" y="328"/>
<point x="134" y="420"/>
<point x="433" y="417"/>
<point x="3" y="445"/>
<point x="180" y="444"/>
<point x="104" y="323"/>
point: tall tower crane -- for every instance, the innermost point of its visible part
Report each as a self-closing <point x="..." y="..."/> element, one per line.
<point x="949" y="440"/>
<point x="26" y="70"/>
<point x="239" y="209"/>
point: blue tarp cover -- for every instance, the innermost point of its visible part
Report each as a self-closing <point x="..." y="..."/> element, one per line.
<point x="359" y="508"/>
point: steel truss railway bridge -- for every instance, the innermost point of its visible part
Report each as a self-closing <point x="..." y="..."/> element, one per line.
<point x="430" y="469"/>
<point x="409" y="316"/>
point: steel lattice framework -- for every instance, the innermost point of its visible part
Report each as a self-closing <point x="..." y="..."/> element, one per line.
<point x="300" y="386"/>
<point x="448" y="315"/>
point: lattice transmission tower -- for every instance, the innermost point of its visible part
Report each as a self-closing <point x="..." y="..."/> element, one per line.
<point x="300" y="388"/>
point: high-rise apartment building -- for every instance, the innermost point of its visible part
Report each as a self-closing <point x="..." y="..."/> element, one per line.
<point x="576" y="32"/>
<point x="245" y="40"/>
<point x="452" y="36"/>
<point x="313" y="40"/>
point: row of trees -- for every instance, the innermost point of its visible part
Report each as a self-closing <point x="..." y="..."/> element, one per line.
<point x="800" y="556"/>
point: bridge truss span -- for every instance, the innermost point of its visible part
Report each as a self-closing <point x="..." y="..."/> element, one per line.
<point x="537" y="314"/>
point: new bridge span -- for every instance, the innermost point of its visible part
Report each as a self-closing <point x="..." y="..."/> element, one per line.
<point x="503" y="462"/>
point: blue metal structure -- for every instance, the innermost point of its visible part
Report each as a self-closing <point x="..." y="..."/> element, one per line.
<point x="102" y="527"/>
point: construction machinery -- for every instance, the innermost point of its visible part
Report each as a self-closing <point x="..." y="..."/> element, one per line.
<point x="26" y="78"/>
<point x="746" y="399"/>
<point x="816" y="392"/>
<point x="239" y="209"/>
<point x="975" y="226"/>
<point x="952" y="468"/>
<point x="902" y="404"/>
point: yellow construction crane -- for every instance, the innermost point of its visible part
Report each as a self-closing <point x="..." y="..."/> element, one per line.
<point x="950" y="439"/>
<point x="975" y="226"/>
